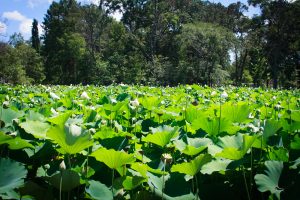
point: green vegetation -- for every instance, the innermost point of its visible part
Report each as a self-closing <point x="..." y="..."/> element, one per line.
<point x="139" y="142"/>
<point x="159" y="42"/>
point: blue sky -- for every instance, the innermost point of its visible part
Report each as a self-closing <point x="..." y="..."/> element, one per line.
<point x="17" y="15"/>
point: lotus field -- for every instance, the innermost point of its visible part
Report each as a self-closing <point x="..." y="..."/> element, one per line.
<point x="139" y="142"/>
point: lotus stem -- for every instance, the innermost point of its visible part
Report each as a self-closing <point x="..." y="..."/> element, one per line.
<point x="246" y="185"/>
<point x="163" y="185"/>
<point x="197" y="189"/>
<point x="60" y="185"/>
<point x="112" y="181"/>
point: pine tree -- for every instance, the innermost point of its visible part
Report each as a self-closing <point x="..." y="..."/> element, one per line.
<point x="35" y="39"/>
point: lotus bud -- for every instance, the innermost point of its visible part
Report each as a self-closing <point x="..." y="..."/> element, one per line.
<point x="195" y="102"/>
<point x="166" y="158"/>
<point x="104" y="122"/>
<point x="84" y="95"/>
<point x="5" y="104"/>
<point x="62" y="165"/>
<point x="213" y="93"/>
<point x="135" y="103"/>
<point x="92" y="130"/>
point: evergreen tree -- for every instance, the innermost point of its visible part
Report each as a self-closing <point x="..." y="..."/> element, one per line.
<point x="35" y="38"/>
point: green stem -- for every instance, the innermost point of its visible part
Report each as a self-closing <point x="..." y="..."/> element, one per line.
<point x="163" y="186"/>
<point x="219" y="128"/>
<point x="197" y="187"/>
<point x="60" y="185"/>
<point x="251" y="172"/>
<point x="112" y="181"/>
<point x="246" y="186"/>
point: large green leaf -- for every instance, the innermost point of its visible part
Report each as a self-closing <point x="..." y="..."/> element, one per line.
<point x="162" y="135"/>
<point x="8" y="115"/>
<point x="132" y="182"/>
<point x="270" y="128"/>
<point x="157" y="185"/>
<point x="235" y="147"/>
<point x="214" y="126"/>
<point x="71" y="138"/>
<point x="143" y="169"/>
<point x="113" y="159"/>
<point x="193" y="167"/>
<point x="217" y="165"/>
<point x="269" y="182"/>
<point x="14" y="142"/>
<point x="36" y="128"/>
<point x="295" y="144"/>
<point x="236" y="112"/>
<point x="149" y="102"/>
<point x="99" y="191"/>
<point x="194" y="146"/>
<point x="66" y="179"/>
<point x="12" y="175"/>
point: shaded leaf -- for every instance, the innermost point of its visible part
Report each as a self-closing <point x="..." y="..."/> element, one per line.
<point x="99" y="191"/>
<point x="12" y="175"/>
<point x="269" y="181"/>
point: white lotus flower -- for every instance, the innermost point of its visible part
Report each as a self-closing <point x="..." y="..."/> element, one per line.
<point x="113" y="101"/>
<point x="5" y="104"/>
<point x="166" y="158"/>
<point x="254" y="128"/>
<point x="54" y="96"/>
<point x="75" y="130"/>
<point x="224" y="95"/>
<point x="213" y="93"/>
<point x="135" y="103"/>
<point x="277" y="106"/>
<point x="250" y="116"/>
<point x="84" y="95"/>
<point x="53" y="111"/>
<point x="92" y="130"/>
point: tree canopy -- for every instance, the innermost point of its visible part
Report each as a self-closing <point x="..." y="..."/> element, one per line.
<point x="159" y="43"/>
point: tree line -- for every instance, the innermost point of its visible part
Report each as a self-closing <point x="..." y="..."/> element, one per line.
<point x="159" y="42"/>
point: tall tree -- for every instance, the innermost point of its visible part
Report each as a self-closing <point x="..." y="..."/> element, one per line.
<point x="35" y="38"/>
<point x="204" y="53"/>
<point x="61" y="20"/>
<point x="281" y="25"/>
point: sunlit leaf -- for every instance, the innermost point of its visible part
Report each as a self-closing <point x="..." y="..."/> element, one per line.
<point x="71" y="138"/>
<point x="192" y="167"/>
<point x="36" y="128"/>
<point x="112" y="158"/>
<point x="14" y="142"/>
<point x="162" y="136"/>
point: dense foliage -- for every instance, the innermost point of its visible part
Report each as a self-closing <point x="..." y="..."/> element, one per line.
<point x="161" y="42"/>
<point x="138" y="142"/>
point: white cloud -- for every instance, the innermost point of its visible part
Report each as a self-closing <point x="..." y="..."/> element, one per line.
<point x="25" y="27"/>
<point x="3" y="28"/>
<point x="25" y="23"/>
<point x="14" y="15"/>
<point x="35" y="3"/>
<point x="90" y="1"/>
